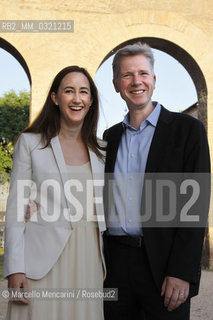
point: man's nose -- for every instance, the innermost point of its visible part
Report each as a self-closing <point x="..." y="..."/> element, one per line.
<point x="136" y="80"/>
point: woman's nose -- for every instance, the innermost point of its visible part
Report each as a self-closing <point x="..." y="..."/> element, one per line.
<point x="76" y="98"/>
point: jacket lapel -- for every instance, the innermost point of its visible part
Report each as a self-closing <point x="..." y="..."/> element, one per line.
<point x="113" y="139"/>
<point x="159" y="141"/>
<point x="58" y="154"/>
<point x="157" y="148"/>
<point x="59" y="158"/>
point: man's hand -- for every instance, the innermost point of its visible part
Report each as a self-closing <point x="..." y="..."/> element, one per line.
<point x="18" y="283"/>
<point x="176" y="291"/>
<point x="31" y="209"/>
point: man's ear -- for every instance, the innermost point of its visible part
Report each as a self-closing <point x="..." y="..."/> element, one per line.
<point x="154" y="81"/>
<point x="54" y="98"/>
<point x="116" y="86"/>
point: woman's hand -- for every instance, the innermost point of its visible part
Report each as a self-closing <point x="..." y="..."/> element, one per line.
<point x="17" y="282"/>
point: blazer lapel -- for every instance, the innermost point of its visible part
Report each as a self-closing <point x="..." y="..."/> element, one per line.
<point x="157" y="148"/>
<point x="59" y="158"/>
<point x="159" y="141"/>
<point x="113" y="142"/>
<point x="58" y="154"/>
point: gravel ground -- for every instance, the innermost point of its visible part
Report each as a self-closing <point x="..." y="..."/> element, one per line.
<point x="3" y="302"/>
<point x="202" y="305"/>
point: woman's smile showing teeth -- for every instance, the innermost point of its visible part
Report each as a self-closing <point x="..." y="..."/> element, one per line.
<point x="76" y="108"/>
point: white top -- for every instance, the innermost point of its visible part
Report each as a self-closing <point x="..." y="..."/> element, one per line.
<point x="82" y="191"/>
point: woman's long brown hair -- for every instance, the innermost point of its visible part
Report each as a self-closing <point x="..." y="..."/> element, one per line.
<point x="47" y="123"/>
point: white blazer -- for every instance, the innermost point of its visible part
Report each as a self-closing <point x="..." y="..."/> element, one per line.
<point x="33" y="247"/>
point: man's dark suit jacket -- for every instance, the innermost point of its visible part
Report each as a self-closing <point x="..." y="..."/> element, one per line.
<point x="179" y="145"/>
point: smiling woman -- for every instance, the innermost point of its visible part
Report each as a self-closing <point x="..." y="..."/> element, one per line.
<point x="60" y="145"/>
<point x="73" y="98"/>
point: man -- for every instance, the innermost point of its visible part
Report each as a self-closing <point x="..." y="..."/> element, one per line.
<point x="156" y="268"/>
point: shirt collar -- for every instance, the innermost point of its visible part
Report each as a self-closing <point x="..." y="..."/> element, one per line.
<point x="152" y="118"/>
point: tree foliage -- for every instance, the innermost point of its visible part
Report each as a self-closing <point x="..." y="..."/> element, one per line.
<point x="6" y="160"/>
<point x="14" y="114"/>
<point x="14" y="117"/>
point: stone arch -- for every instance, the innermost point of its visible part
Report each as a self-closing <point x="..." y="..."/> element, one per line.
<point x="5" y="187"/>
<point x="187" y="62"/>
<point x="16" y="54"/>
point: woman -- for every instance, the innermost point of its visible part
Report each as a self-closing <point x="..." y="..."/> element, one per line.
<point x="60" y="245"/>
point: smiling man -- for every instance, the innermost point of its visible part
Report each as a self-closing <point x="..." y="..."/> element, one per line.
<point x="156" y="269"/>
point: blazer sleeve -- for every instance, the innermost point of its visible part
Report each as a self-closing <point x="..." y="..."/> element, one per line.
<point x="186" y="252"/>
<point x="15" y="211"/>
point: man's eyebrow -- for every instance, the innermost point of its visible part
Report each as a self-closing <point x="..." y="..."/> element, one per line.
<point x="126" y="72"/>
<point x="131" y="72"/>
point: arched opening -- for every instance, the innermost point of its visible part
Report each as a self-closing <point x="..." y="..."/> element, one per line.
<point x="198" y="109"/>
<point x="14" y="116"/>
<point x="14" y="93"/>
<point x="14" y="52"/>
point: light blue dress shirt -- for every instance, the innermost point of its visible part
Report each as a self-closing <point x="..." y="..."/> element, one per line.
<point x="125" y="205"/>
